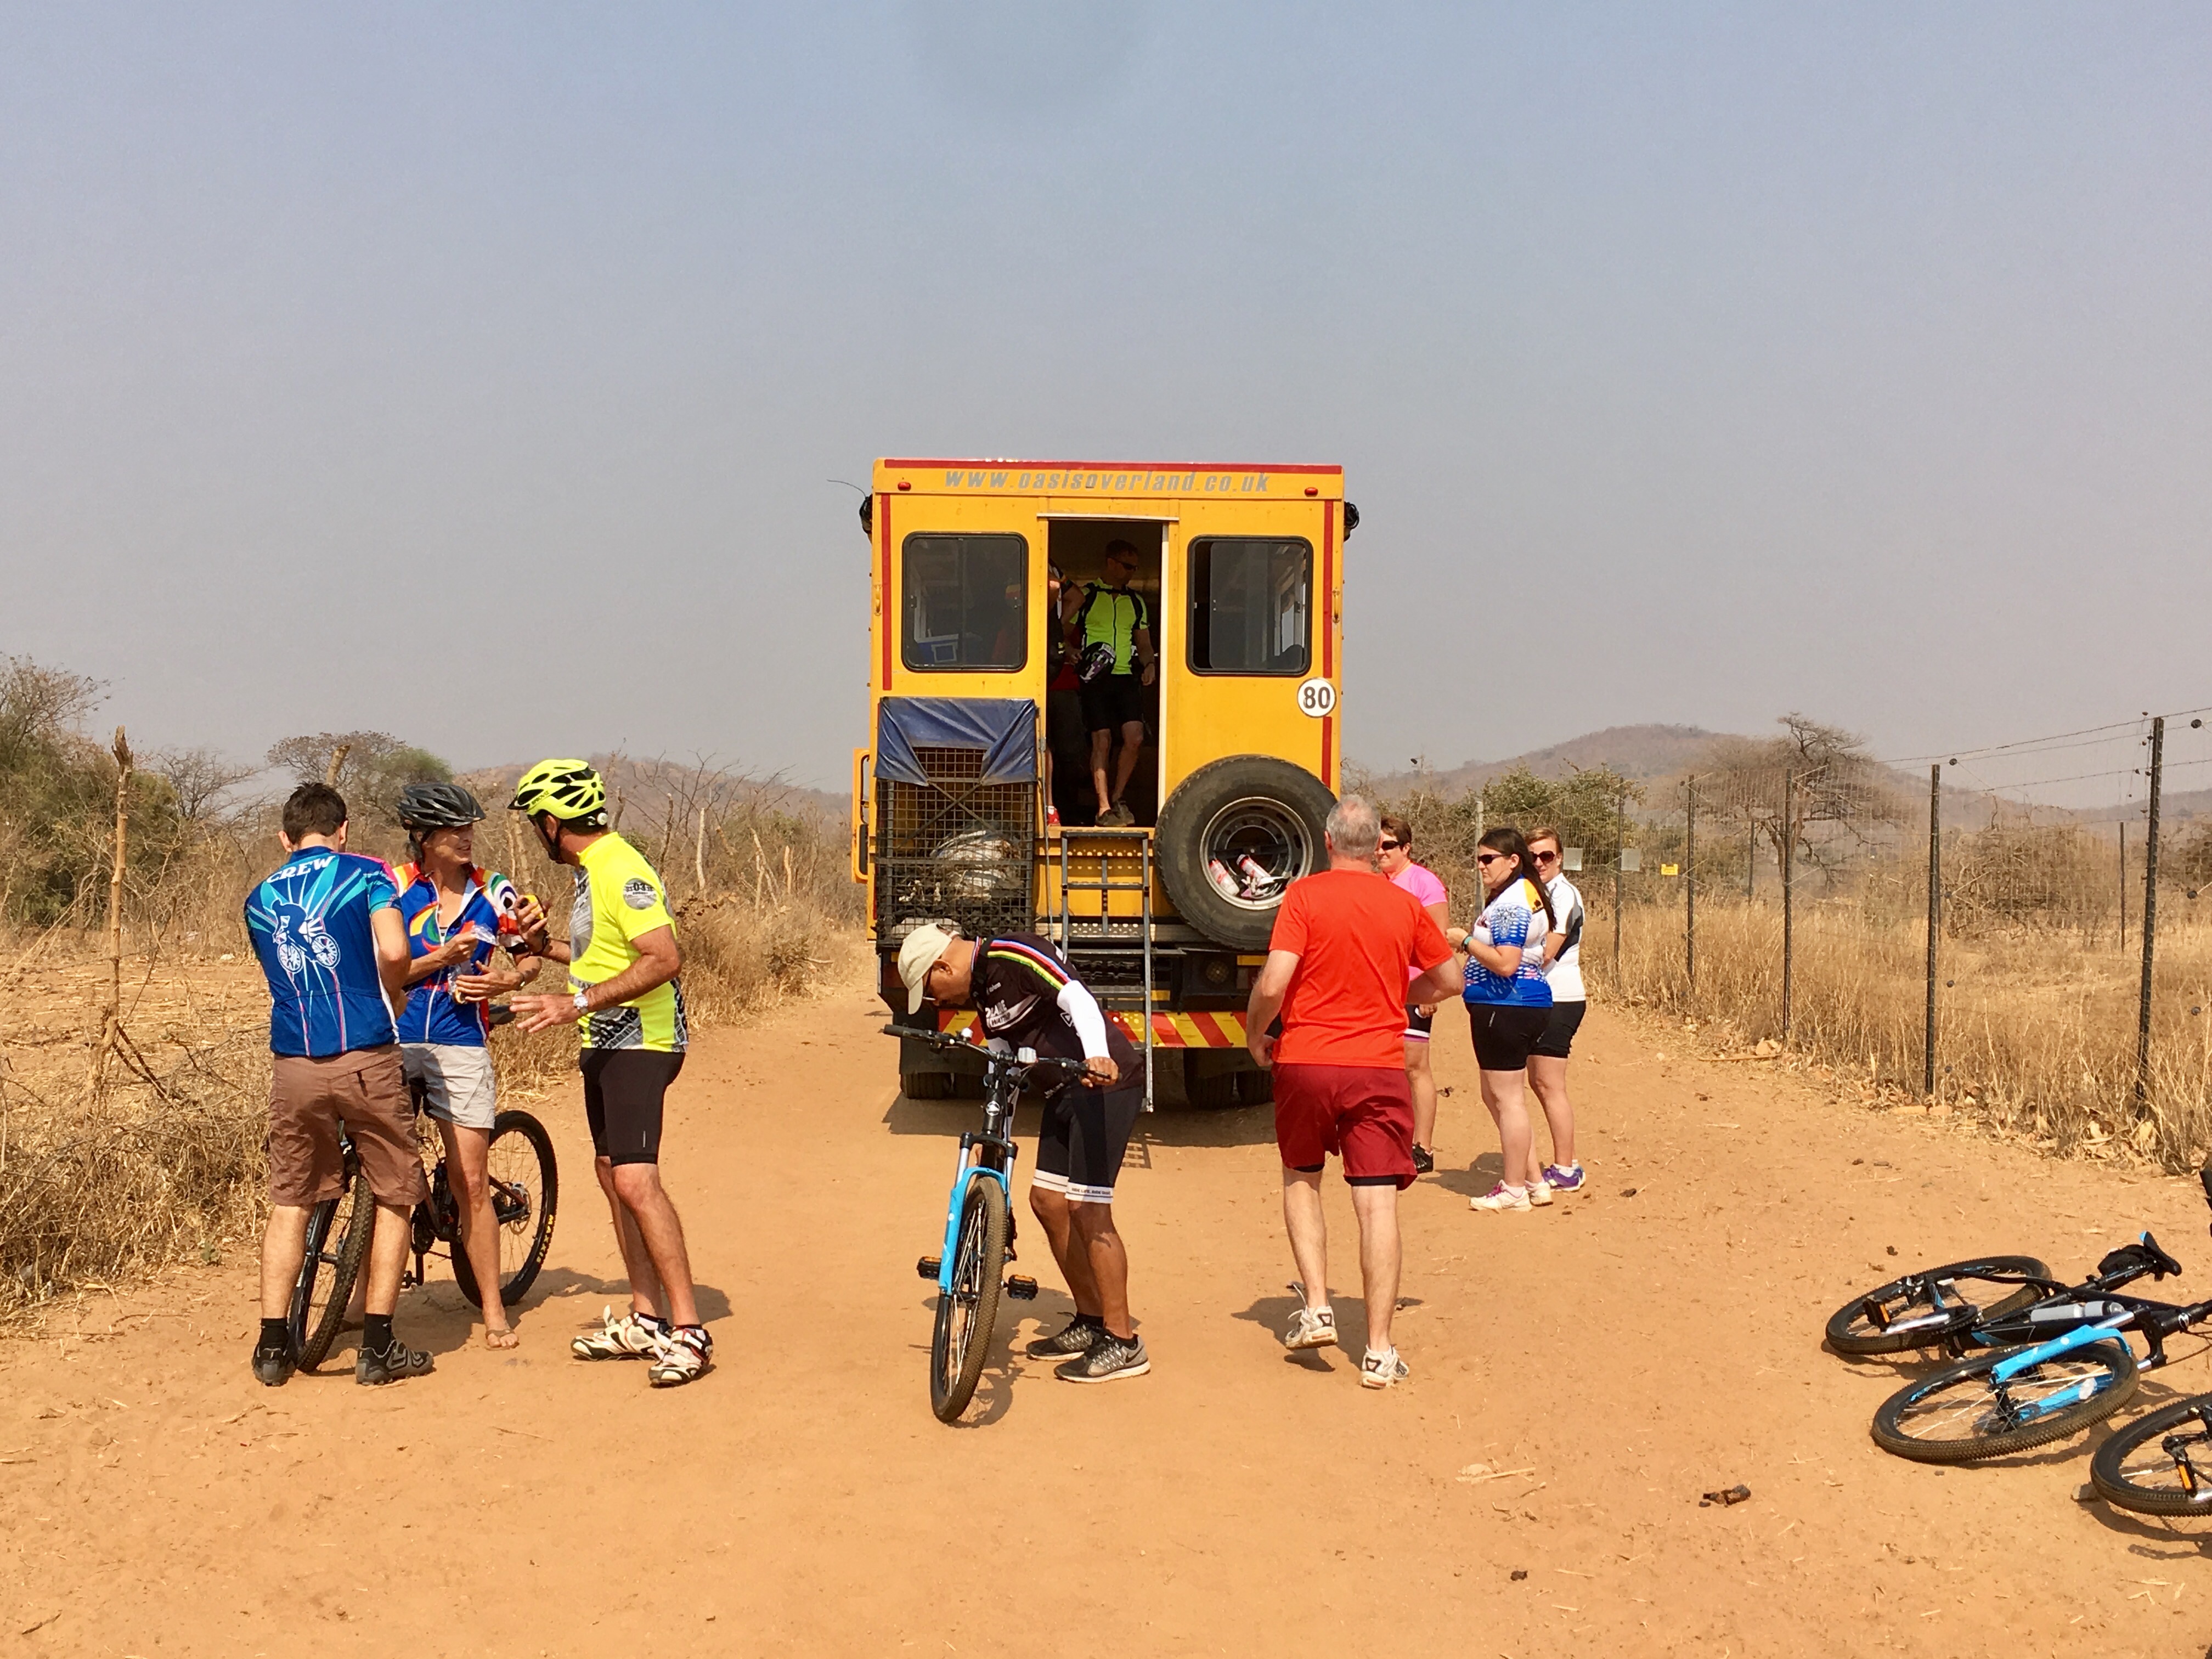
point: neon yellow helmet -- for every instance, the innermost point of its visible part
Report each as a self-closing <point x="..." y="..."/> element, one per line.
<point x="569" y="789"/>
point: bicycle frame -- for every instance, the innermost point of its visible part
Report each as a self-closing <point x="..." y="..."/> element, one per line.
<point x="2155" y="1321"/>
<point x="999" y="1092"/>
<point x="1004" y="1076"/>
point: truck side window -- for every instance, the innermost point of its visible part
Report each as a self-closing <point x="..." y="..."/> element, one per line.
<point x="967" y="602"/>
<point x="1251" y="602"/>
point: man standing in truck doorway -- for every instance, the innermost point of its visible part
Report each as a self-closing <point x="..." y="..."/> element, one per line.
<point x="1114" y="661"/>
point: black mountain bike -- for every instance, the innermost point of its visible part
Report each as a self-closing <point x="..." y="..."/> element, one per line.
<point x="525" y="1189"/>
<point x="979" y="1223"/>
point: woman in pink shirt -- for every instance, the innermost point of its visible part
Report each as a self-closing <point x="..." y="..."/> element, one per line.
<point x="1394" y="856"/>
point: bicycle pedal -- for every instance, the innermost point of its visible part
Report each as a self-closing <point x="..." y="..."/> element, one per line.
<point x="1021" y="1287"/>
<point x="929" y="1266"/>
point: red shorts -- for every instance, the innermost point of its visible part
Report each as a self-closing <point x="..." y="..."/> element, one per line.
<point x="1363" y="1113"/>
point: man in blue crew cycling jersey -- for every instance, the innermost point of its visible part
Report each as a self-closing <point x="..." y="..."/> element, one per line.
<point x="325" y="926"/>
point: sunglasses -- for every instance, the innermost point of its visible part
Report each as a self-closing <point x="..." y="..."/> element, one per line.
<point x="1547" y="858"/>
<point x="1486" y="859"/>
<point x="1387" y="846"/>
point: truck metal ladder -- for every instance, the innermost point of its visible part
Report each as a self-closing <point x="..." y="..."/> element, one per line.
<point x="1110" y="937"/>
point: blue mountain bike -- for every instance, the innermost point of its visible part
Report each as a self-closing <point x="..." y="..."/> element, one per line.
<point x="970" y="1265"/>
<point x="2054" y="1367"/>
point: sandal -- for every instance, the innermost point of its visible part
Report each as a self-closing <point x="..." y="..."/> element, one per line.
<point x="505" y="1337"/>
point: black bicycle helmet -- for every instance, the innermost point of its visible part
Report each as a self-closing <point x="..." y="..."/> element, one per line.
<point x="438" y="807"/>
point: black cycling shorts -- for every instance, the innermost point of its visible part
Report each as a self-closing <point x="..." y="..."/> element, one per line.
<point x="1084" y="1134"/>
<point x="1505" y="1033"/>
<point x="623" y="1091"/>
<point x="1111" y="701"/>
<point x="1418" y="1025"/>
<point x="1560" y="1030"/>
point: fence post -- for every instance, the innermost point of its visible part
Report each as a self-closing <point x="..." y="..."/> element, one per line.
<point x="1620" y="846"/>
<point x="111" y="1014"/>
<point x="2149" y="915"/>
<point x="1690" y="886"/>
<point x="1788" y="849"/>
<point x="2124" y="885"/>
<point x="1934" y="912"/>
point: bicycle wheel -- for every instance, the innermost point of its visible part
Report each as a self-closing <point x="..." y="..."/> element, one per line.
<point x="2160" y="1464"/>
<point x="966" y="1315"/>
<point x="1960" y="1416"/>
<point x="526" y="1191"/>
<point x="338" y="1232"/>
<point x="1855" y="1327"/>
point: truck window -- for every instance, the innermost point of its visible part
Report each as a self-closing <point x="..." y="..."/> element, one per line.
<point x="1251" y="605"/>
<point x="967" y="602"/>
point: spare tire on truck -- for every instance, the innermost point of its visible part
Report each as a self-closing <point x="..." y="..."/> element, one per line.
<point x="1233" y="836"/>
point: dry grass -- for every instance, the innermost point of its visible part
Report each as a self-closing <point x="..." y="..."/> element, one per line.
<point x="162" y="1160"/>
<point x="2036" y="1026"/>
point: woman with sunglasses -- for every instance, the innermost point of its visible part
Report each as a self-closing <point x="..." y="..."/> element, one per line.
<point x="1394" y="857"/>
<point x="1508" y="1002"/>
<point x="1548" y="1060"/>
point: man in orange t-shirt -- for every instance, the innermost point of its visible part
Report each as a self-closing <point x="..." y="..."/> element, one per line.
<point x="1336" y="972"/>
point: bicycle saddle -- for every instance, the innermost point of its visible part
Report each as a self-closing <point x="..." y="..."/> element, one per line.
<point x="2139" y="1257"/>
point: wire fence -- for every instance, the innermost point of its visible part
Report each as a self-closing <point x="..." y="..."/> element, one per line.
<point x="2013" y="931"/>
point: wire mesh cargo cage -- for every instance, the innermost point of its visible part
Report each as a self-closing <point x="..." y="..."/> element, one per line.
<point x="956" y="814"/>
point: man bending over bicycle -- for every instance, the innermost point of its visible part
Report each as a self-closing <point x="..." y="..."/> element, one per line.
<point x="1025" y="996"/>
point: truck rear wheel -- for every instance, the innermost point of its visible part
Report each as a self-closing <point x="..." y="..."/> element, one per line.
<point x="1233" y="836"/>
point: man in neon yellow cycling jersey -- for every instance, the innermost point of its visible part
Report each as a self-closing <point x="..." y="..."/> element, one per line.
<point x="623" y="965"/>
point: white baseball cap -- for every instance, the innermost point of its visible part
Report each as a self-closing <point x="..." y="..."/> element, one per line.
<point x="920" y="952"/>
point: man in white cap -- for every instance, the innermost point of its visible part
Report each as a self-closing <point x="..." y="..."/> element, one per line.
<point x="1025" y="996"/>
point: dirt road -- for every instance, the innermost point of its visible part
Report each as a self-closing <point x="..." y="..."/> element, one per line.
<point x="1621" y="1353"/>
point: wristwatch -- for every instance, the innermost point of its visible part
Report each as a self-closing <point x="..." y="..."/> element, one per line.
<point x="583" y="1006"/>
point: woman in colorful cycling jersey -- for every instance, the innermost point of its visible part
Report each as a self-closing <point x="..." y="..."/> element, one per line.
<point x="456" y="914"/>
<point x="1508" y="1001"/>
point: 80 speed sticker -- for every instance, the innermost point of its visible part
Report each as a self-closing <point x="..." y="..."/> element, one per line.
<point x="1317" y="697"/>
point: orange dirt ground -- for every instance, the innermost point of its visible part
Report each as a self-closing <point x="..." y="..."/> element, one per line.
<point x="1619" y="1354"/>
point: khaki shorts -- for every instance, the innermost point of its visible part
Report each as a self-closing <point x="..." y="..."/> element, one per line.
<point x="456" y="1081"/>
<point x="365" y="1090"/>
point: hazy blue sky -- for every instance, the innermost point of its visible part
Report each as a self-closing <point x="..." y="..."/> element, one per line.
<point x="361" y="367"/>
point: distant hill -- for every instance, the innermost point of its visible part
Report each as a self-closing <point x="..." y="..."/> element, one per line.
<point x="1634" y="751"/>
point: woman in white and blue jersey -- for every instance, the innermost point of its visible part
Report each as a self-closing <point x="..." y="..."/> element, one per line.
<point x="1509" y="1000"/>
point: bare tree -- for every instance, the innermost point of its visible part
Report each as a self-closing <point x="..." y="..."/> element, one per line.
<point x="199" y="778"/>
<point x="1839" y="794"/>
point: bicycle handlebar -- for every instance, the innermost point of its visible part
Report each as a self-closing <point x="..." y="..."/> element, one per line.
<point x="1074" y="1068"/>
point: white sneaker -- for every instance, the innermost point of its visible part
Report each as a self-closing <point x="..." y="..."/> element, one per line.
<point x="1311" y="1327"/>
<point x="1539" y="1192"/>
<point x="1503" y="1197"/>
<point x="1380" y="1370"/>
<point x="683" y="1356"/>
<point x="627" y="1338"/>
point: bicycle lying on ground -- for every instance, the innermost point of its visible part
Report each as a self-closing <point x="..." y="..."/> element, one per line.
<point x="979" y="1223"/>
<point x="2057" y="1357"/>
<point x="525" y="1194"/>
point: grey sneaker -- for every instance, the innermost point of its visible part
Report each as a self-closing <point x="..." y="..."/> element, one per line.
<point x="1110" y="1360"/>
<point x="1380" y="1370"/>
<point x="1080" y="1337"/>
<point x="394" y="1365"/>
<point x="273" y="1366"/>
<point x="1311" y="1327"/>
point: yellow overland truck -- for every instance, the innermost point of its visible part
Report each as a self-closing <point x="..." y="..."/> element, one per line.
<point x="988" y="577"/>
